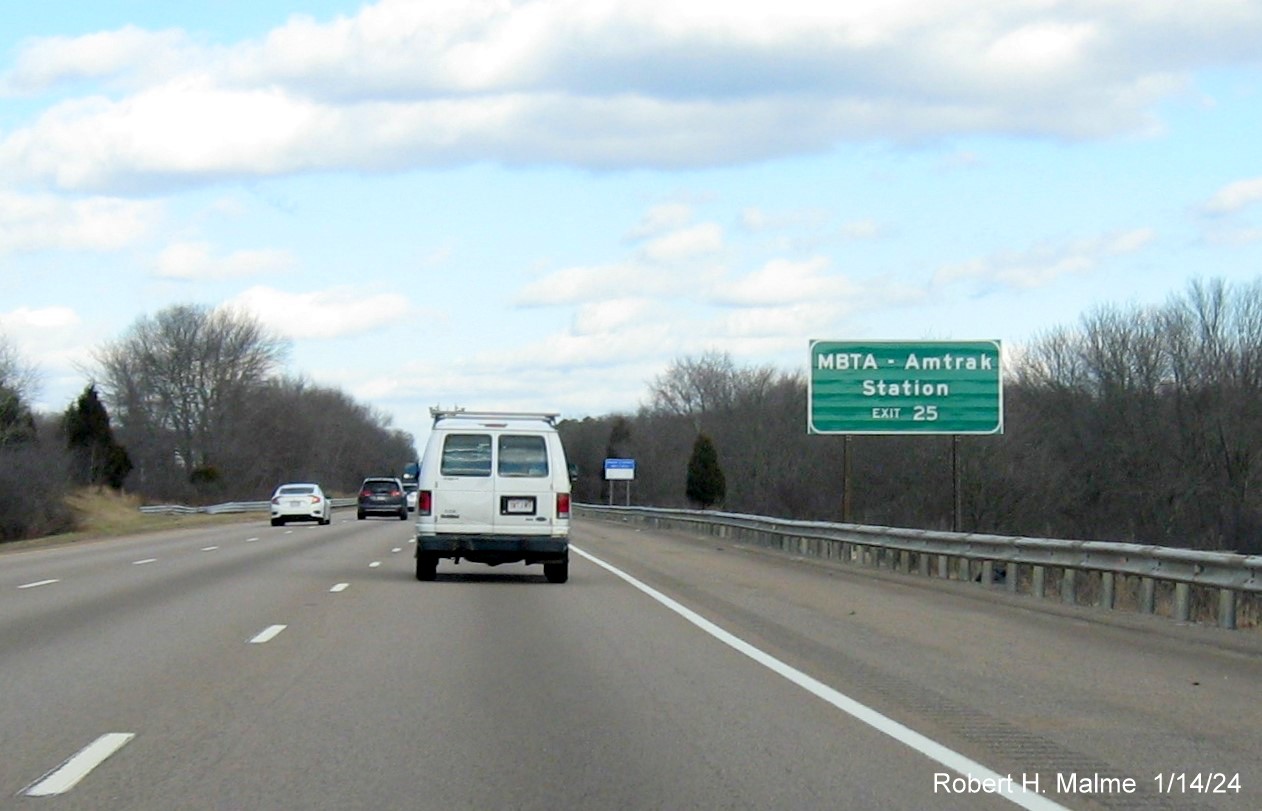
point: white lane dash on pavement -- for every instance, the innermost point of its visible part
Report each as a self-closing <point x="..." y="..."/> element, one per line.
<point x="396" y="550"/>
<point x="251" y="540"/>
<point x="67" y="775"/>
<point x="267" y="634"/>
<point x="143" y="562"/>
<point x="39" y="583"/>
<point x="374" y="564"/>
<point x="340" y="587"/>
<point x="209" y="548"/>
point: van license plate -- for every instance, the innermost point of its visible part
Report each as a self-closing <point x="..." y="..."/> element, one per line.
<point x="519" y="506"/>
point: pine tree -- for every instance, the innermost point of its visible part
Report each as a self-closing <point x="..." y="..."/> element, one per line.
<point x="706" y="483"/>
<point x="100" y="459"/>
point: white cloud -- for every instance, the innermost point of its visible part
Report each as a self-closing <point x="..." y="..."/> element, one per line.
<point x="687" y="243"/>
<point x="1045" y="263"/>
<point x="332" y="313"/>
<point x="48" y="61"/>
<point x="596" y="283"/>
<point x="616" y="84"/>
<point x="44" y="222"/>
<point x="604" y="317"/>
<point x="782" y="282"/>
<point x="194" y="261"/>
<point x="1235" y="196"/>
<point x="25" y="319"/>
<point x="662" y="218"/>
<point x="862" y="229"/>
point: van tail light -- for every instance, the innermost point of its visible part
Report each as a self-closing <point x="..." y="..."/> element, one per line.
<point x="563" y="505"/>
<point x="424" y="502"/>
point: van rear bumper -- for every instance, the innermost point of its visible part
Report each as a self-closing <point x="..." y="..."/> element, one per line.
<point x="494" y="549"/>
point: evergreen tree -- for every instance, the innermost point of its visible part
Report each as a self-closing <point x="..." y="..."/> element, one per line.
<point x="99" y="458"/>
<point x="706" y="483"/>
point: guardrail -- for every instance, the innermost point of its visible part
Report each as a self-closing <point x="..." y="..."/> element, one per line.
<point x="986" y="559"/>
<point x="230" y="507"/>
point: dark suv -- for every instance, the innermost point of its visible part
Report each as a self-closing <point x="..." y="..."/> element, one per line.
<point x="382" y="495"/>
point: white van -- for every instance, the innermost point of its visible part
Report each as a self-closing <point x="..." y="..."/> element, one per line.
<point x="494" y="488"/>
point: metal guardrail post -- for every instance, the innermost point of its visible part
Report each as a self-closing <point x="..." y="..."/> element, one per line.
<point x="1147" y="595"/>
<point x="1182" y="602"/>
<point x="1227" y="609"/>
<point x="1107" y="589"/>
<point x="1068" y="586"/>
<point x="1038" y="582"/>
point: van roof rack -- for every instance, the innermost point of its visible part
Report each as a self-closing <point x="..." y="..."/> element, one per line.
<point x="460" y="413"/>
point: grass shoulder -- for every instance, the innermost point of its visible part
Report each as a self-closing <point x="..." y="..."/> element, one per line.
<point x="105" y="513"/>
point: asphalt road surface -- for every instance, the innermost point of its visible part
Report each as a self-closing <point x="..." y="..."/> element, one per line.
<point x="303" y="667"/>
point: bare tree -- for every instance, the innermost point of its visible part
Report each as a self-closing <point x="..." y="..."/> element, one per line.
<point x="175" y="380"/>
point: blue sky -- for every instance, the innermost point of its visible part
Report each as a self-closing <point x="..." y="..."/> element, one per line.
<point x="540" y="205"/>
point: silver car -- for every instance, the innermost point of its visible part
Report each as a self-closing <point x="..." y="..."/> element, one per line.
<point x="300" y="502"/>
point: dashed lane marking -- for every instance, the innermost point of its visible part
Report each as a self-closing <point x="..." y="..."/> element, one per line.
<point x="67" y="775"/>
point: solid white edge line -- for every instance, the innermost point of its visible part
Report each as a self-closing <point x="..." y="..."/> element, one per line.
<point x="267" y="634"/>
<point x="68" y="774"/>
<point x="38" y="584"/>
<point x="903" y="734"/>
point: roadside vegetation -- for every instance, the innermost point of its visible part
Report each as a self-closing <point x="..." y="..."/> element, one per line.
<point x="188" y="406"/>
<point x="1137" y="424"/>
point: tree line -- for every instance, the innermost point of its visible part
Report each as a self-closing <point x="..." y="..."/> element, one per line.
<point x="192" y="405"/>
<point x="1139" y="424"/>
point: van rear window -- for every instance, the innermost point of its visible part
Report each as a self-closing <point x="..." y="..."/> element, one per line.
<point x="466" y="455"/>
<point x="523" y="456"/>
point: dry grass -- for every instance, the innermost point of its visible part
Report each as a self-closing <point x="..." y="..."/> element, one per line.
<point x="102" y="513"/>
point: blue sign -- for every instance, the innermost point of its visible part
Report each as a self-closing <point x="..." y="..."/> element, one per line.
<point x="619" y="468"/>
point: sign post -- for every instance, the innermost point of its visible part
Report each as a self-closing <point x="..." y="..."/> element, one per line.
<point x="898" y="387"/>
<point x="619" y="470"/>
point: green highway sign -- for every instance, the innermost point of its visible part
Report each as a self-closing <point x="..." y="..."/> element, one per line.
<point x="895" y="387"/>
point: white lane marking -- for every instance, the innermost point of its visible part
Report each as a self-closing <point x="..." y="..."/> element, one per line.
<point x="251" y="540"/>
<point x="38" y="584"/>
<point x="209" y="548"/>
<point x="949" y="758"/>
<point x="374" y="564"/>
<point x="396" y="550"/>
<point x="143" y="562"/>
<point x="267" y="634"/>
<point x="340" y="587"/>
<point x="68" y="774"/>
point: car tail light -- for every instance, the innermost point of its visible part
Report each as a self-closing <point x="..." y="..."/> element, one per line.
<point x="276" y="500"/>
<point x="394" y="494"/>
<point x="563" y="505"/>
<point x="366" y="494"/>
<point x="315" y="499"/>
<point x="424" y="502"/>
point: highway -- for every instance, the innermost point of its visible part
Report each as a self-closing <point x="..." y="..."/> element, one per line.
<point x="244" y="666"/>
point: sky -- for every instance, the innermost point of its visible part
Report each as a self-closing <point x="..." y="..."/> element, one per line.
<point x="541" y="205"/>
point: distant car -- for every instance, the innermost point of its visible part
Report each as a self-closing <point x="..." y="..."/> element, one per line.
<point x="411" y="489"/>
<point x="380" y="495"/>
<point x="300" y="502"/>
